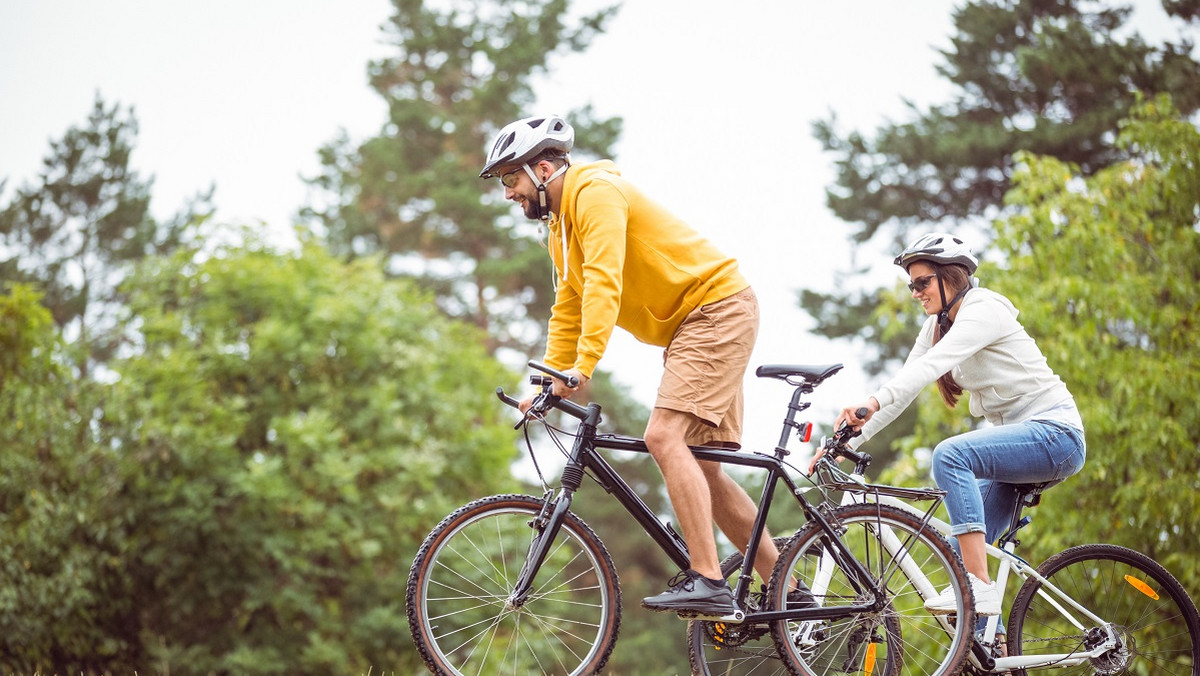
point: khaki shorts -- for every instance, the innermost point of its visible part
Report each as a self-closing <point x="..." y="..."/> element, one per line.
<point x="704" y="366"/>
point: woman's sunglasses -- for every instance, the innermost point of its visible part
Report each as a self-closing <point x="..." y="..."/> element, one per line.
<point x="921" y="283"/>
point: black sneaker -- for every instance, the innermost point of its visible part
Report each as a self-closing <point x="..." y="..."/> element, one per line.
<point x="691" y="592"/>
<point x="801" y="597"/>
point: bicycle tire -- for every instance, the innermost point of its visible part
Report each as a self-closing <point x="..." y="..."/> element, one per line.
<point x="1162" y="635"/>
<point x="903" y="637"/>
<point x="721" y="648"/>
<point x="460" y="583"/>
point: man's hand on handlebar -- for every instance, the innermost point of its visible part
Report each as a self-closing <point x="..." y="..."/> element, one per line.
<point x="559" y="388"/>
<point x="563" y="389"/>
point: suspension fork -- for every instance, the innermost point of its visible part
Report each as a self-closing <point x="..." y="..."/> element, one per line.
<point x="546" y="525"/>
<point x="548" y="522"/>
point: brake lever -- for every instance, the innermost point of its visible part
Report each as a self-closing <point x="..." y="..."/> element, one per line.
<point x="507" y="399"/>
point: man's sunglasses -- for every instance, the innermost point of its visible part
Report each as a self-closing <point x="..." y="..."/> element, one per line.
<point x="921" y="283"/>
<point x="510" y="179"/>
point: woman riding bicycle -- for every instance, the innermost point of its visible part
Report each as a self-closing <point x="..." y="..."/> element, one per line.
<point x="973" y="342"/>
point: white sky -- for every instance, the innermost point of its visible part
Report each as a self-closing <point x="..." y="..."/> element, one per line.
<point x="718" y="101"/>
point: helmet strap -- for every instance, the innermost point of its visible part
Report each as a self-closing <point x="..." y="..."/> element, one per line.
<point x="543" y="207"/>
<point x="944" y="321"/>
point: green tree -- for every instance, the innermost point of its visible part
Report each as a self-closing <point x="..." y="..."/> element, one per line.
<point x="293" y="427"/>
<point x="412" y="192"/>
<point x="1106" y="272"/>
<point x="78" y="228"/>
<point x="1050" y="78"/>
<point x="250" y="494"/>
<point x="64" y="597"/>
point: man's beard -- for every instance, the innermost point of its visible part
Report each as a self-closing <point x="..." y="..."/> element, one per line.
<point x="531" y="211"/>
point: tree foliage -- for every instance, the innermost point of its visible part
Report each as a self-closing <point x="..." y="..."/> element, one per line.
<point x="1110" y="265"/>
<point x="461" y="71"/>
<point x="260" y="477"/>
<point x="76" y="230"/>
<point x="1048" y="78"/>
<point x="64" y="599"/>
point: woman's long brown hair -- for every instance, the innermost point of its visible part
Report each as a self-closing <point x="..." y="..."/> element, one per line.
<point x="955" y="278"/>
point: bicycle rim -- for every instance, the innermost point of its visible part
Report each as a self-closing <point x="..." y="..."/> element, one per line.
<point x="900" y="638"/>
<point x="1154" y="618"/>
<point x="718" y="648"/>
<point x="459" y="607"/>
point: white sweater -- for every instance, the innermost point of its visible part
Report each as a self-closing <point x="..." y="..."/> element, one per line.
<point x="991" y="357"/>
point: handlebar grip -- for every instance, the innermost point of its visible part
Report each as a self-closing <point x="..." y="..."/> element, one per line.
<point x="507" y="399"/>
<point x="861" y="412"/>
<point x="571" y="381"/>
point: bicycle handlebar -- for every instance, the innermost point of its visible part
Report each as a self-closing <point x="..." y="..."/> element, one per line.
<point x="545" y="400"/>
<point x="836" y="445"/>
<point x="571" y="381"/>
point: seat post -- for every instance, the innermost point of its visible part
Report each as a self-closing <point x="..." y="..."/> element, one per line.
<point x="789" y="421"/>
<point x="1028" y="495"/>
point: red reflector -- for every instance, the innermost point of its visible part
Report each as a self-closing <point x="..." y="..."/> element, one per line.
<point x="806" y="432"/>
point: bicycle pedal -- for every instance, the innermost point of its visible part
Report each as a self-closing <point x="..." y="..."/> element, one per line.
<point x="736" y="617"/>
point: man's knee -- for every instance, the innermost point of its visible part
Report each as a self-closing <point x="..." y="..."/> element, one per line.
<point x="666" y="432"/>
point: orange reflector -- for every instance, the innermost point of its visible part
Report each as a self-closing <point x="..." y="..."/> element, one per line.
<point x="869" y="663"/>
<point x="1141" y="586"/>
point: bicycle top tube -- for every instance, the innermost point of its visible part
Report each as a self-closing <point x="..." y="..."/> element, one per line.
<point x="804" y="378"/>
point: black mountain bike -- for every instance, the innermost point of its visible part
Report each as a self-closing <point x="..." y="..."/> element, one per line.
<point x="518" y="584"/>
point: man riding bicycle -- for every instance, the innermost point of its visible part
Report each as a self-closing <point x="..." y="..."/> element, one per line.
<point x="622" y="260"/>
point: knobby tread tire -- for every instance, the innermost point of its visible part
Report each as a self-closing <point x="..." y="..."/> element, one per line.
<point x="463" y="574"/>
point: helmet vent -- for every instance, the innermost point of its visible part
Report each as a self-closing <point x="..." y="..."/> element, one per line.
<point x="503" y="142"/>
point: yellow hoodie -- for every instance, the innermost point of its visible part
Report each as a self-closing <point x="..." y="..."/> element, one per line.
<point x="629" y="263"/>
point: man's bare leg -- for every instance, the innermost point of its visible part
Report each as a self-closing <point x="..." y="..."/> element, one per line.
<point x="734" y="512"/>
<point x="687" y="486"/>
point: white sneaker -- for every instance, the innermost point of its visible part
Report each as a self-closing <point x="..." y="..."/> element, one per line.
<point x="987" y="599"/>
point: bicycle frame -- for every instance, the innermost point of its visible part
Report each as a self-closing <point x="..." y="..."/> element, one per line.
<point x="1009" y="564"/>
<point x="584" y="457"/>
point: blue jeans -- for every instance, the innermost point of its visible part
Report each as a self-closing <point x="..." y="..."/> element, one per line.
<point x="978" y="469"/>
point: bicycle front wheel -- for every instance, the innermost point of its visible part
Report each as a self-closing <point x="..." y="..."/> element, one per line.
<point x="892" y="550"/>
<point x="460" y="607"/>
<point x="1153" y="617"/>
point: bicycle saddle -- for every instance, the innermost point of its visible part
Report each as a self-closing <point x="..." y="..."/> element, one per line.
<point x="814" y="374"/>
<point x="1029" y="495"/>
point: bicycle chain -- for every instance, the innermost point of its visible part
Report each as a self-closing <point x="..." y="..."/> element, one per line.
<point x="1056" y="639"/>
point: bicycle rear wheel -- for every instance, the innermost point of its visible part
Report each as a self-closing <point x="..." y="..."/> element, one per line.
<point x="1153" y="616"/>
<point x="911" y="561"/>
<point x="462" y="618"/>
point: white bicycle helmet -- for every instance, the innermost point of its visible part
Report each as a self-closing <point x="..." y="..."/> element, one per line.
<point x="940" y="248"/>
<point x="524" y="139"/>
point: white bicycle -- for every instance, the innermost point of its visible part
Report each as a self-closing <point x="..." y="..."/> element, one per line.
<point x="1090" y="609"/>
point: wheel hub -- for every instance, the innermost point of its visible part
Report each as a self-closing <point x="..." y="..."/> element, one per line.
<point x="1116" y="660"/>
